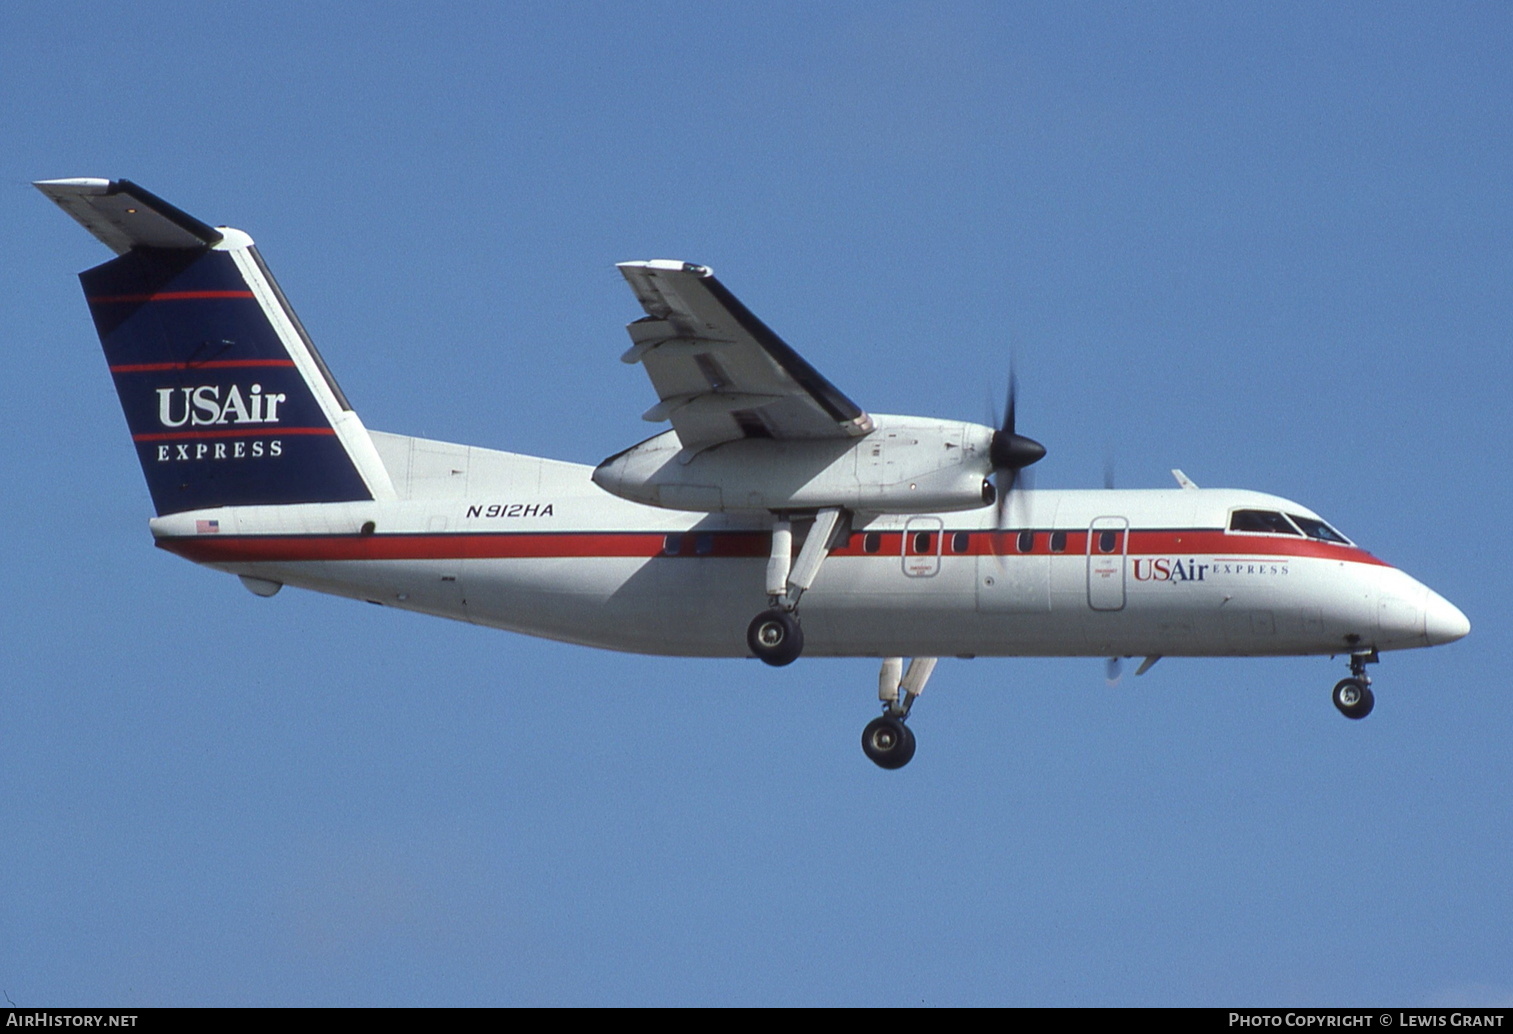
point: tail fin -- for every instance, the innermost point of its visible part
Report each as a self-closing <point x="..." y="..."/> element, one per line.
<point x="226" y="397"/>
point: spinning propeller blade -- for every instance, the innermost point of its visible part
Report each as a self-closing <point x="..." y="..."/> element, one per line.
<point x="1010" y="453"/>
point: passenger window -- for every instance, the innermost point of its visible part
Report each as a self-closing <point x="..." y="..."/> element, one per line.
<point x="872" y="542"/>
<point x="1316" y="529"/>
<point x="1267" y="521"/>
<point x="1058" y="542"/>
<point x="1026" y="542"/>
<point x="959" y="542"/>
<point x="672" y="545"/>
<point x="703" y="544"/>
<point x="922" y="542"/>
<point x="1107" y="540"/>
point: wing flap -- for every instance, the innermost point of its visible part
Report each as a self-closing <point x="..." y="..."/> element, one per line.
<point x="721" y="373"/>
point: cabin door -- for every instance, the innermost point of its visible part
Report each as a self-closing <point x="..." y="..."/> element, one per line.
<point x="1107" y="547"/>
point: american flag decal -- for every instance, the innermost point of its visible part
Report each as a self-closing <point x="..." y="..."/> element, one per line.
<point x="207" y="527"/>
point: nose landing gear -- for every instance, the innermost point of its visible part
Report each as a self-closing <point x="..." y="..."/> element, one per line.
<point x="1353" y="696"/>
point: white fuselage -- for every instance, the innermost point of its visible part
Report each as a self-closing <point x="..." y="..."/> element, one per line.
<point x="534" y="546"/>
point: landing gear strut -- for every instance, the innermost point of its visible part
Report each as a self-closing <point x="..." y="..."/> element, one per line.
<point x="1353" y="696"/>
<point x="887" y="741"/>
<point x="774" y="635"/>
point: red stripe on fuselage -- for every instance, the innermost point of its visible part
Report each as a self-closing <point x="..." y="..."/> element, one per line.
<point x="164" y="296"/>
<point x="590" y="544"/>
<point x="459" y="546"/>
<point x="1182" y="542"/>
<point x="213" y="364"/>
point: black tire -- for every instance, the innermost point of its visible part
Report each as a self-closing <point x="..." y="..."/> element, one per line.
<point x="775" y="637"/>
<point x="1353" y="698"/>
<point x="888" y="742"/>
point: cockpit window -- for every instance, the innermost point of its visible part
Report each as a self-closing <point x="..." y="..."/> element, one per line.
<point x="1317" y="529"/>
<point x="1266" y="521"/>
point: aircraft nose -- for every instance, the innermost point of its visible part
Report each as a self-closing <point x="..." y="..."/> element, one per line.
<point x="1443" y="621"/>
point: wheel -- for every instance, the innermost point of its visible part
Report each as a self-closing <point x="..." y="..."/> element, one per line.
<point x="1354" y="698"/>
<point x="775" y="637"/>
<point x="888" y="742"/>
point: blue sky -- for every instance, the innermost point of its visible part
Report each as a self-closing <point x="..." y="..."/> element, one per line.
<point x="1269" y="244"/>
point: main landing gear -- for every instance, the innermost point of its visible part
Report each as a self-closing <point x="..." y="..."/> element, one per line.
<point x="887" y="741"/>
<point x="774" y="636"/>
<point x="1353" y="696"/>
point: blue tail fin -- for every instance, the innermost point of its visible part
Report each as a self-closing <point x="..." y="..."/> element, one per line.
<point x="227" y="400"/>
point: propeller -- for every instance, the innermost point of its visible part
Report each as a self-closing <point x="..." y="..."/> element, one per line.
<point x="1010" y="453"/>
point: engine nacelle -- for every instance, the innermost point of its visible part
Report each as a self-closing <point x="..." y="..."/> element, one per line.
<point x="905" y="465"/>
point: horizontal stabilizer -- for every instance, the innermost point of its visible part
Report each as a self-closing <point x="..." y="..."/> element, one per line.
<point x="124" y="216"/>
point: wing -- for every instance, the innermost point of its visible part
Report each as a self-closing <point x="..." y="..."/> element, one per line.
<point x="720" y="372"/>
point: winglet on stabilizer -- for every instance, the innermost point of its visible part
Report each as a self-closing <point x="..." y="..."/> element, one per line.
<point x="124" y="216"/>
